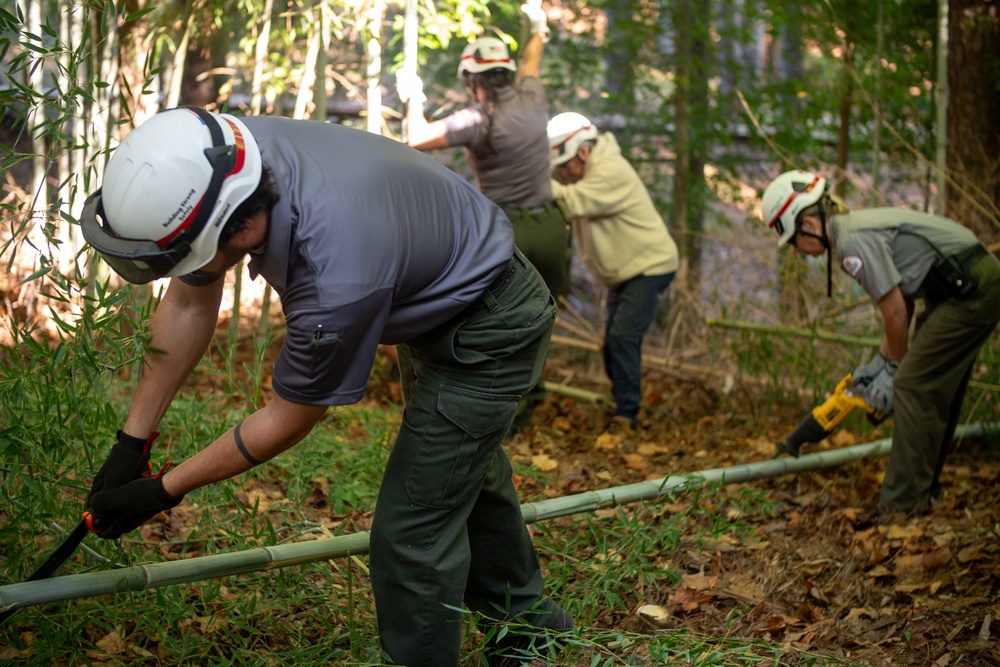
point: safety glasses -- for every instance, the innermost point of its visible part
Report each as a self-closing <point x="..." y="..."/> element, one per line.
<point x="142" y="260"/>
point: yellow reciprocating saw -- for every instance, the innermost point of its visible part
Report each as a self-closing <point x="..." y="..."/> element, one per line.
<point x="826" y="417"/>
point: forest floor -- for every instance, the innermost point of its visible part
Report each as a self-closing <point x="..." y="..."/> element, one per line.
<point x="813" y="573"/>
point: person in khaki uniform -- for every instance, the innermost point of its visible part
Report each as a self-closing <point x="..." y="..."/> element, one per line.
<point x="899" y="256"/>
<point x="621" y="239"/>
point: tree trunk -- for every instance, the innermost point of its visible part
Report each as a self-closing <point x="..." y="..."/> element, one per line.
<point x="260" y="57"/>
<point x="877" y="110"/>
<point x="973" y="155"/>
<point x="622" y="54"/>
<point x="374" y="70"/>
<point x="698" y="143"/>
<point x="40" y="163"/>
<point x="135" y="45"/>
<point x="683" y="70"/>
<point x="173" y="96"/>
<point x="846" y="112"/>
<point x="314" y="39"/>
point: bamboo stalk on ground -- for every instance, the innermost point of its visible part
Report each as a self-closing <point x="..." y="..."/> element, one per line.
<point x="574" y="392"/>
<point x="800" y="332"/>
<point x="262" y="559"/>
<point x="648" y="359"/>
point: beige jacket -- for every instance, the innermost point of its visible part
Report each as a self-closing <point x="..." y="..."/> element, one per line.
<point x="619" y="233"/>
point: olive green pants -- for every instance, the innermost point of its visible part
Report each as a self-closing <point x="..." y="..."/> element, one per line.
<point x="545" y="237"/>
<point x="929" y="388"/>
<point x="448" y="527"/>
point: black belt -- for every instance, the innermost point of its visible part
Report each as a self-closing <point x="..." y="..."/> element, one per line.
<point x="496" y="287"/>
<point x="968" y="257"/>
<point x="531" y="210"/>
<point x="950" y="277"/>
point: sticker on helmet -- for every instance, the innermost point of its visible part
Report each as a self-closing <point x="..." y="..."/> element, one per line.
<point x="852" y="265"/>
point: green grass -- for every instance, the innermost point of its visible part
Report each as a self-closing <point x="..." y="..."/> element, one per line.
<point x="322" y="613"/>
<point x="319" y="613"/>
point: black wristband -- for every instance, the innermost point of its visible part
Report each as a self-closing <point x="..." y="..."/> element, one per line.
<point x="240" y="446"/>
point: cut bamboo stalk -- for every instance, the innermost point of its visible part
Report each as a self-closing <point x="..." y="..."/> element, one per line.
<point x="574" y="392"/>
<point x="794" y="331"/>
<point x="262" y="559"/>
<point x="588" y="336"/>
<point x="648" y="359"/>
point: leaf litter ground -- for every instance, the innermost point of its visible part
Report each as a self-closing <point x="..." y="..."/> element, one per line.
<point x="814" y="574"/>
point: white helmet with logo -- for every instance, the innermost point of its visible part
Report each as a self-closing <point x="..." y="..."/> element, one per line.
<point x="484" y="54"/>
<point x="566" y="132"/>
<point x="786" y="197"/>
<point x="168" y="190"/>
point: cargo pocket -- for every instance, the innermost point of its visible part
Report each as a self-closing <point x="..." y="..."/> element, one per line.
<point x="458" y="445"/>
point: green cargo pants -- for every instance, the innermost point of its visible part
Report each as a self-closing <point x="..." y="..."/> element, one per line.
<point x="929" y="388"/>
<point x="448" y="527"/>
<point x="545" y="237"/>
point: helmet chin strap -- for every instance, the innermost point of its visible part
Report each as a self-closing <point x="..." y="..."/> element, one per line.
<point x="823" y="238"/>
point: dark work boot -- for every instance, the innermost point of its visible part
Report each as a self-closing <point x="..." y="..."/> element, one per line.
<point x="531" y="638"/>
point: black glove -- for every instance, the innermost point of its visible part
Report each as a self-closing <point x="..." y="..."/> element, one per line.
<point x="128" y="460"/>
<point x="127" y="507"/>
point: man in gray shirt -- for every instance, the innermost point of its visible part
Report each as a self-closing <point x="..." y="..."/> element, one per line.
<point x="366" y="241"/>
<point x="897" y="256"/>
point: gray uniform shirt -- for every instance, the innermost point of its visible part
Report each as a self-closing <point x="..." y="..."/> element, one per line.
<point x="508" y="152"/>
<point x="371" y="242"/>
<point x="879" y="247"/>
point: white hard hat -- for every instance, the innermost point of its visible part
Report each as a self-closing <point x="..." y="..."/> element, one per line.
<point x="786" y="197"/>
<point x="566" y="132"/>
<point x="484" y="54"/>
<point x="168" y="190"/>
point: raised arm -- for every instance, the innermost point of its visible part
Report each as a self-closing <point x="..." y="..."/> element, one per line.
<point x="531" y="55"/>
<point x="420" y="134"/>
<point x="530" y="61"/>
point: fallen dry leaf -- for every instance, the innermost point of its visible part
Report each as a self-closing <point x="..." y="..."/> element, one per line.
<point x="908" y="532"/>
<point x="636" y="461"/>
<point x="110" y="643"/>
<point x="843" y="438"/>
<point x="544" y="462"/>
<point x="562" y="424"/>
<point x="654" y="615"/>
<point x="700" y="581"/>
<point x="608" y="442"/>
<point x="745" y="586"/>
<point x="761" y="446"/>
<point x="971" y="553"/>
<point x="688" y="599"/>
<point x="879" y="571"/>
<point x="937" y="557"/>
<point x="816" y="593"/>
<point x="652" y="449"/>
<point x="860" y="612"/>
<point x="930" y="587"/>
